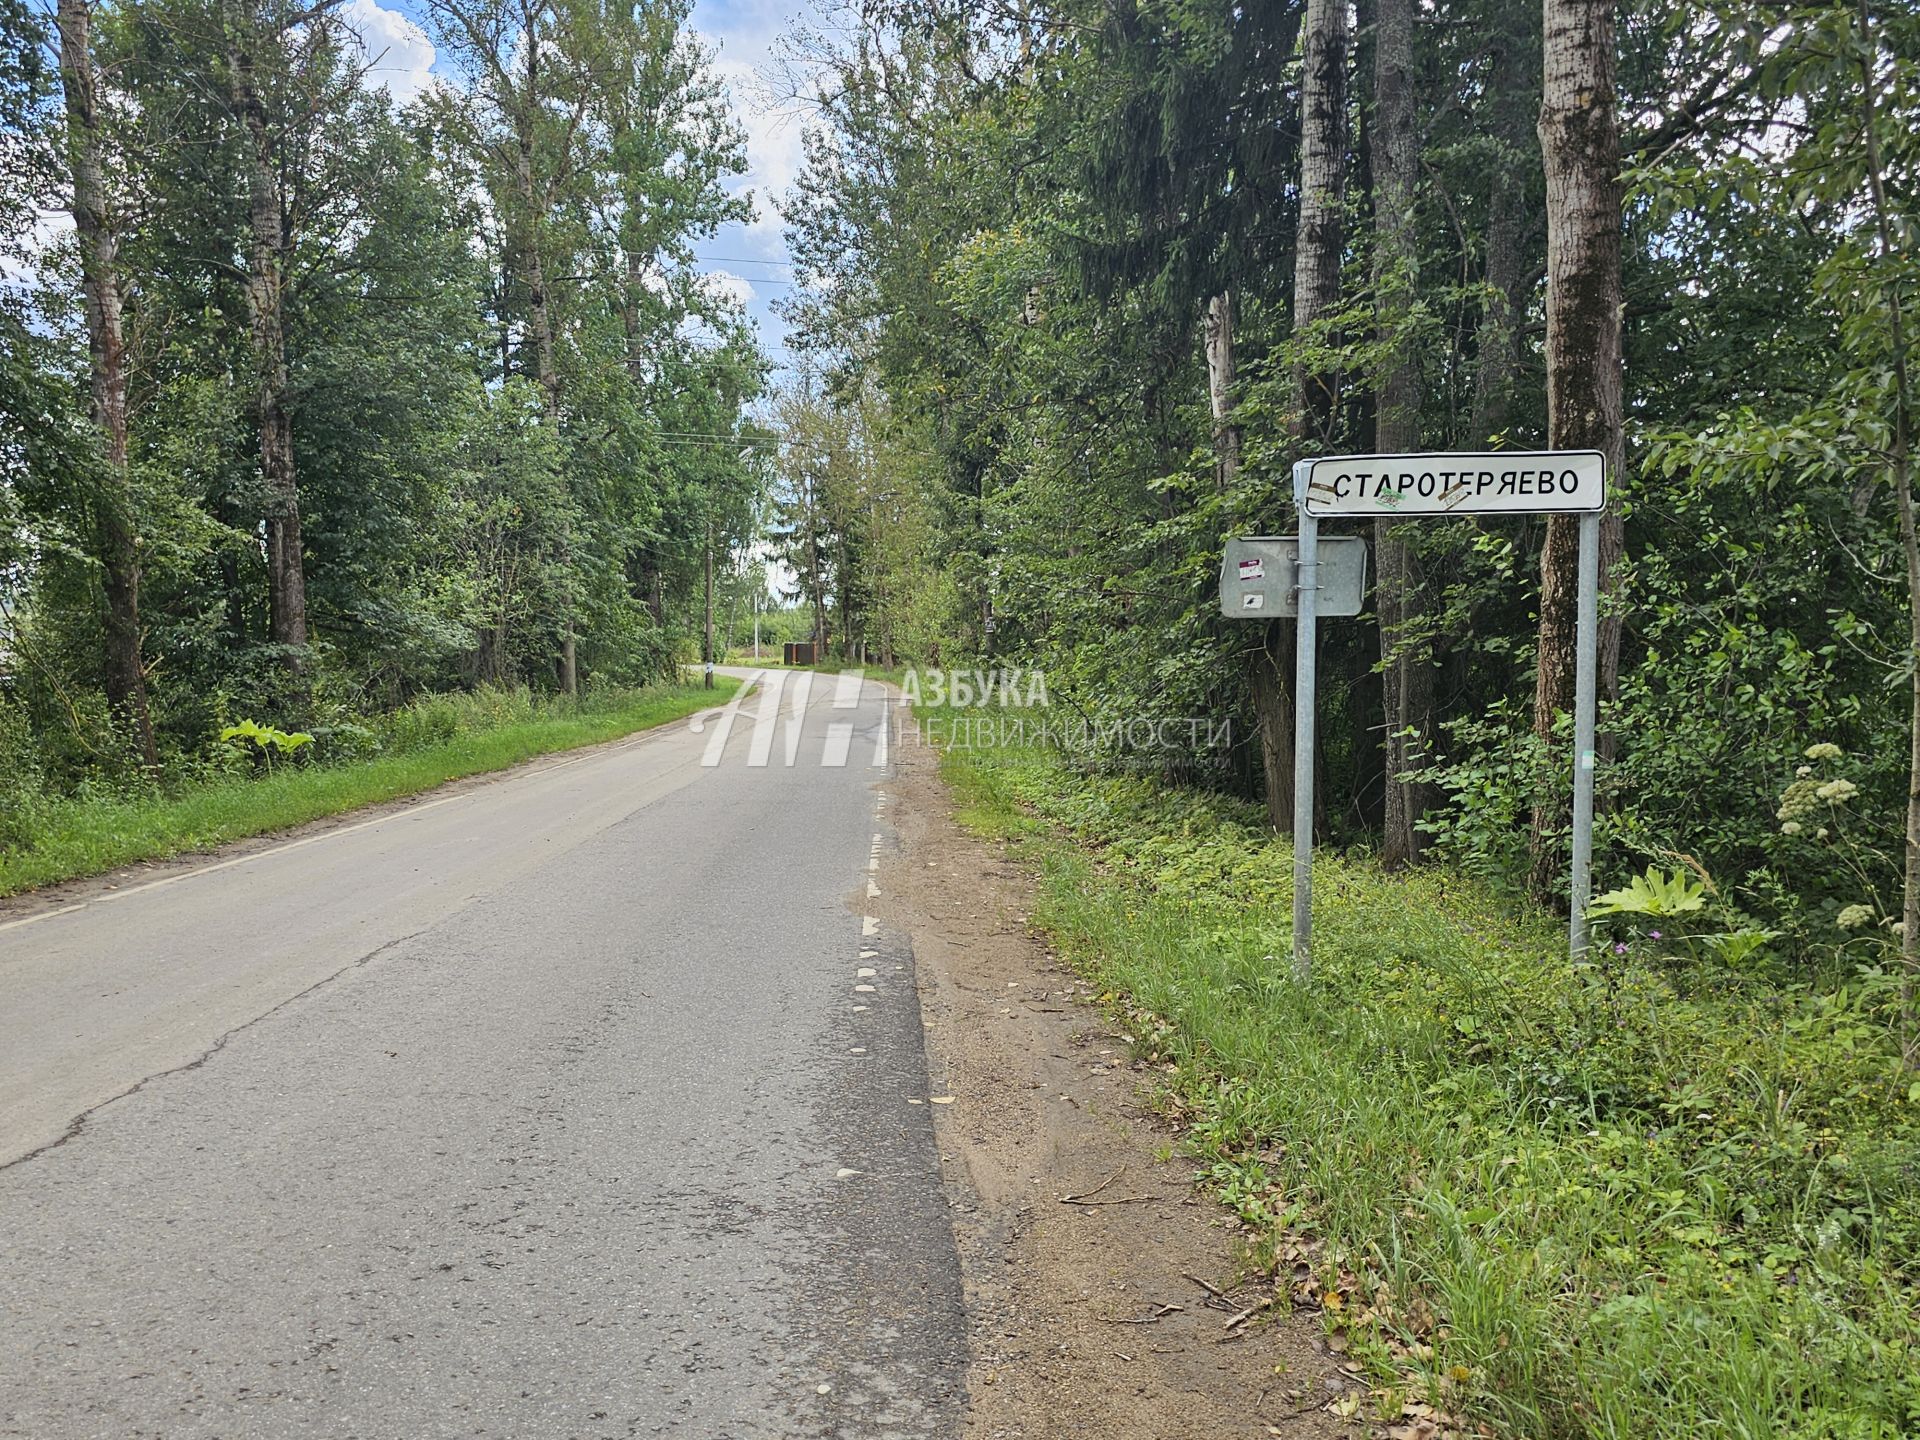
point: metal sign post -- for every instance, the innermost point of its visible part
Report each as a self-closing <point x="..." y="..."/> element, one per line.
<point x="1411" y="486"/>
<point x="1306" y="676"/>
<point x="1586" y="665"/>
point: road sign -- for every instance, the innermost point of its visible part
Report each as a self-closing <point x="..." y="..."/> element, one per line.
<point x="1257" y="580"/>
<point x="1509" y="482"/>
<point x="1417" y="486"/>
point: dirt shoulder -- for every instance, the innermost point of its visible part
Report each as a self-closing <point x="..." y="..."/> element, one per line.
<point x="1085" y="1319"/>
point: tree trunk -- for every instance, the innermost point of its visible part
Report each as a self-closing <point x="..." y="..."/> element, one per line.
<point x="1272" y="680"/>
<point x="1270" y="664"/>
<point x="1900" y="472"/>
<point x="1580" y="145"/>
<point x="533" y="270"/>
<point x="1505" y="274"/>
<point x="1498" y="341"/>
<point x="116" y="546"/>
<point x="1316" y="289"/>
<point x="532" y="260"/>
<point x="265" y="288"/>
<point x="630" y="320"/>
<point x="1220" y="376"/>
<point x="1406" y="666"/>
<point x="1323" y="173"/>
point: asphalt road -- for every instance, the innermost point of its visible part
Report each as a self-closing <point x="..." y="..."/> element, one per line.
<point x="558" y="1107"/>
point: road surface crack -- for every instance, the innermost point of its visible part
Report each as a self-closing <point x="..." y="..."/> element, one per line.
<point x="79" y="1122"/>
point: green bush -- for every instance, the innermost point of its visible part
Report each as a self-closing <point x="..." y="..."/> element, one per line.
<point x="1649" y="1195"/>
<point x="23" y="798"/>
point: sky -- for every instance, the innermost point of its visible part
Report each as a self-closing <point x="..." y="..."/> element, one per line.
<point x="749" y="260"/>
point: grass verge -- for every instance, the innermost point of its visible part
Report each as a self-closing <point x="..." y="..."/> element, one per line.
<point x="439" y="739"/>
<point x="1620" y="1200"/>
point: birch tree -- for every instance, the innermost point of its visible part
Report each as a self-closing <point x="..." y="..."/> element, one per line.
<point x="286" y="77"/>
<point x="97" y="225"/>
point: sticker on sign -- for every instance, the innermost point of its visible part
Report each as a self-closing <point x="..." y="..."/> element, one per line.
<point x="1508" y="482"/>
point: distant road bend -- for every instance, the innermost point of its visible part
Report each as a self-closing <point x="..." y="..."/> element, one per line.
<point x="570" y="1104"/>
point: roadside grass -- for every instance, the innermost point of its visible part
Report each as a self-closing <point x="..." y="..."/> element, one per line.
<point x="437" y="739"/>
<point x="1628" y="1200"/>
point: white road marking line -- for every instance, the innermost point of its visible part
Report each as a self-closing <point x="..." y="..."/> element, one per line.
<point x="869" y="925"/>
<point x="199" y="870"/>
<point x="873" y="891"/>
<point x="846" y="689"/>
<point x="880" y="742"/>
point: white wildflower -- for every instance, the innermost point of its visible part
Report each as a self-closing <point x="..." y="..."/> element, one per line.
<point x="1792" y="827"/>
<point x="1854" y="916"/>
<point x="1825" y="750"/>
<point x="1803" y="772"/>
<point x="1835" y="791"/>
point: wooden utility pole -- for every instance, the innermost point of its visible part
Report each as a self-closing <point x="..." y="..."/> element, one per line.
<point x="707" y="657"/>
<point x="1580" y="146"/>
<point x="115" y="542"/>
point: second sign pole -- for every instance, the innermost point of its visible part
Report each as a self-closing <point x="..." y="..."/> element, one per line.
<point x="1307" y="583"/>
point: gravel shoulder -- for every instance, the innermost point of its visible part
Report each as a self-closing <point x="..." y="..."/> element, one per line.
<point x="1068" y="1331"/>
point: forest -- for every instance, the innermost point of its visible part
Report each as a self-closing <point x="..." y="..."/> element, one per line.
<point x="1102" y="274"/>
<point x="313" y="404"/>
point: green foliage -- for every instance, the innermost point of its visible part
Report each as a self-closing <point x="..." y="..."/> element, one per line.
<point x="265" y="741"/>
<point x="440" y="739"/>
<point x="23" y="801"/>
<point x="1659" y="895"/>
<point x="1583" y="1171"/>
<point x="465" y="524"/>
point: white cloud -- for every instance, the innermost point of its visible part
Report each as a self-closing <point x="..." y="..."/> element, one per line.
<point x="726" y="286"/>
<point x="398" y="50"/>
<point x="20" y="264"/>
<point x="774" y="129"/>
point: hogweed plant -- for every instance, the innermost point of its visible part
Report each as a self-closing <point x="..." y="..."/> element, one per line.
<point x="1816" y="809"/>
<point x="263" y="742"/>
